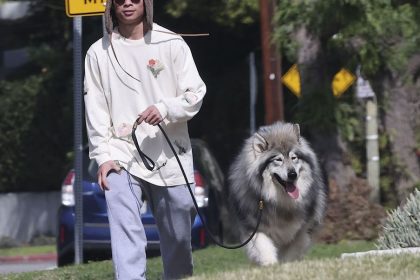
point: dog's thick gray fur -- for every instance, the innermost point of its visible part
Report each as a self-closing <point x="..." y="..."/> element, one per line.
<point x="278" y="162"/>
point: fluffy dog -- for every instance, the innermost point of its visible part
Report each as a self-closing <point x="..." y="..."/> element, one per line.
<point x="277" y="163"/>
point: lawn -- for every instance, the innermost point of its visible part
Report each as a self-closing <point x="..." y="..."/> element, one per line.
<point x="27" y="250"/>
<point x="321" y="262"/>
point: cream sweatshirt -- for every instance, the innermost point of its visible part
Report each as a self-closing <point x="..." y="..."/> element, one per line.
<point x="168" y="79"/>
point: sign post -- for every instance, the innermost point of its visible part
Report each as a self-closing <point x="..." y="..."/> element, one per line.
<point x="78" y="138"/>
<point x="77" y="9"/>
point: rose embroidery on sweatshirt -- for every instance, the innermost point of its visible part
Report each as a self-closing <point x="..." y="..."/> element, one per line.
<point x="155" y="66"/>
<point x="124" y="130"/>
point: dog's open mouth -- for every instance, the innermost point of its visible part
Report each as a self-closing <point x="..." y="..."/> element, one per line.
<point x="290" y="187"/>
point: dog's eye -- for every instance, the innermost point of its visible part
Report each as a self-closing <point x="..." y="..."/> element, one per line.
<point x="279" y="159"/>
<point x="294" y="158"/>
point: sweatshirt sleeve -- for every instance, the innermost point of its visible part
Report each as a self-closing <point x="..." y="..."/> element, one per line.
<point x="98" y="121"/>
<point x="190" y="87"/>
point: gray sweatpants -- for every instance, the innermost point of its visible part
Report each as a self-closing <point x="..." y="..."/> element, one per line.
<point x="174" y="212"/>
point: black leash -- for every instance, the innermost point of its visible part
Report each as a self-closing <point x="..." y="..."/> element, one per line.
<point x="150" y="165"/>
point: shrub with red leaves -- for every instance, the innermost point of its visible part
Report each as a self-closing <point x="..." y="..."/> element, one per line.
<point x="350" y="215"/>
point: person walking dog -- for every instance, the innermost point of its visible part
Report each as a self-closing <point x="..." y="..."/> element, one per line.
<point x="140" y="70"/>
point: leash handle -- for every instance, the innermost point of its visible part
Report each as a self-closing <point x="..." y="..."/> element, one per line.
<point x="145" y="158"/>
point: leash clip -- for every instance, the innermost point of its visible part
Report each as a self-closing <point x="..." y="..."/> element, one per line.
<point x="261" y="205"/>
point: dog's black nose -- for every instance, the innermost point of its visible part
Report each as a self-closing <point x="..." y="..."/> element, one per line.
<point x="291" y="175"/>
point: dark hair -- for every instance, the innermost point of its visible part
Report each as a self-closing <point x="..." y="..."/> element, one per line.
<point x="111" y="19"/>
<point x="113" y="16"/>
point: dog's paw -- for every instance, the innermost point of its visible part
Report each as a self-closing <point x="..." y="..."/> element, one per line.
<point x="261" y="250"/>
<point x="267" y="262"/>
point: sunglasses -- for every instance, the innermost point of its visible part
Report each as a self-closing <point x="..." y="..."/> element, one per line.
<point x="121" y="2"/>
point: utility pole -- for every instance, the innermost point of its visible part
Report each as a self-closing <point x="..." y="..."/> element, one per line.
<point x="271" y="59"/>
<point x="252" y="91"/>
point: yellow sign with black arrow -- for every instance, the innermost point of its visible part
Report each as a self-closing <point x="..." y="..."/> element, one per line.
<point x="292" y="80"/>
<point x="342" y="81"/>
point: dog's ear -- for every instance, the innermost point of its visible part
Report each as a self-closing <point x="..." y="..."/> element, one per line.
<point x="296" y="130"/>
<point x="259" y="144"/>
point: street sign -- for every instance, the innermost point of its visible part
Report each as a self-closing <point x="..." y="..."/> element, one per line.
<point x="363" y="89"/>
<point x="85" y="7"/>
<point x="292" y="80"/>
<point x="342" y="81"/>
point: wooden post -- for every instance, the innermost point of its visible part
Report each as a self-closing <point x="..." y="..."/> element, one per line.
<point x="271" y="59"/>
<point x="372" y="149"/>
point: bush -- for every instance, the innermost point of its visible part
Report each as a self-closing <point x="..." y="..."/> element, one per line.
<point x="8" y="242"/>
<point x="402" y="227"/>
<point x="36" y="129"/>
<point x="350" y="215"/>
<point x="17" y="112"/>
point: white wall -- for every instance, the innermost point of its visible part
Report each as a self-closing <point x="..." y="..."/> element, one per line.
<point x="26" y="215"/>
<point x="12" y="10"/>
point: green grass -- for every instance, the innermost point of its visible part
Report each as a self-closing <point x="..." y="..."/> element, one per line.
<point x="335" y="250"/>
<point x="321" y="263"/>
<point x="405" y="267"/>
<point x="27" y="250"/>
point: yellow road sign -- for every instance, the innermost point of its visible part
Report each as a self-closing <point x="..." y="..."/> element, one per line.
<point x="292" y="80"/>
<point x="85" y="7"/>
<point x="342" y="81"/>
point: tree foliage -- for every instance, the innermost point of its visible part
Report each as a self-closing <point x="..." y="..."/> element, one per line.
<point x="224" y="12"/>
<point x="377" y="34"/>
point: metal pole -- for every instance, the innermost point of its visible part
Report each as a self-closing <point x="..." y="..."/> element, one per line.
<point x="78" y="138"/>
<point x="252" y="91"/>
<point x="372" y="149"/>
<point x="273" y="90"/>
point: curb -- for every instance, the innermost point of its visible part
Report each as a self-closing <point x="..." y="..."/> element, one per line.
<point x="412" y="250"/>
<point x="29" y="258"/>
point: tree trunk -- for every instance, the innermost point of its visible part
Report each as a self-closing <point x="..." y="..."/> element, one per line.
<point x="401" y="120"/>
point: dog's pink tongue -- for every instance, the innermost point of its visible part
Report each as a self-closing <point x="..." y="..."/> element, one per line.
<point x="292" y="190"/>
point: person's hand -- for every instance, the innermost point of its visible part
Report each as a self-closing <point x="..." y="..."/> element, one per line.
<point x="151" y="116"/>
<point x="103" y="171"/>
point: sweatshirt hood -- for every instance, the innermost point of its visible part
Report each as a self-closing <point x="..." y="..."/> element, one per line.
<point x="111" y="20"/>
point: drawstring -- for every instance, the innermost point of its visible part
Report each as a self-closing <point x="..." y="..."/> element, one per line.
<point x="132" y="191"/>
<point x="183" y="34"/>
